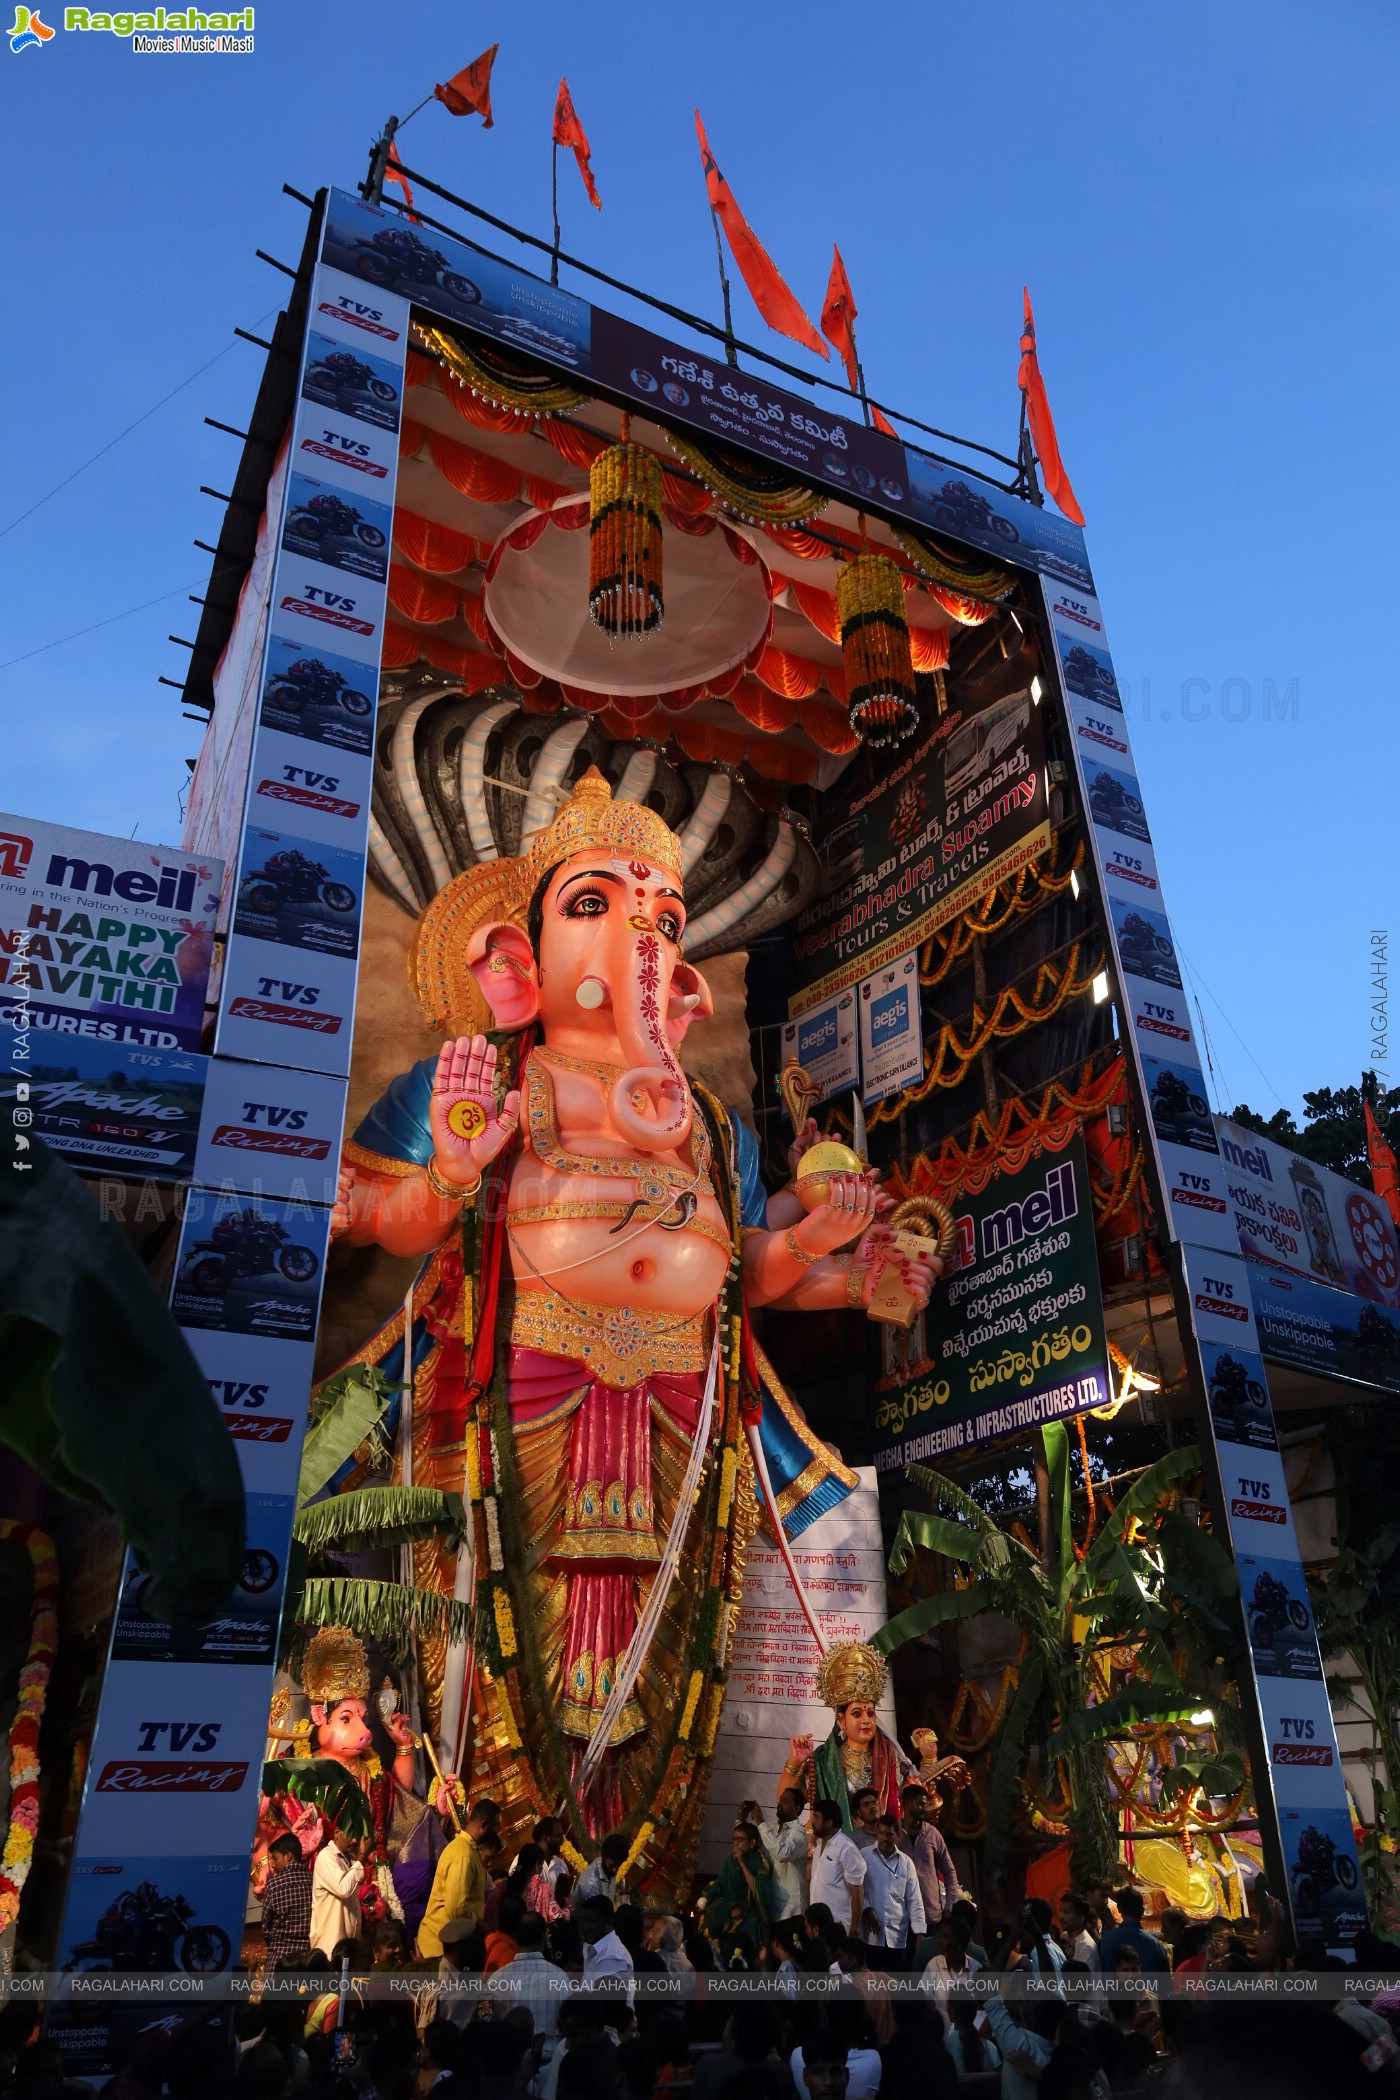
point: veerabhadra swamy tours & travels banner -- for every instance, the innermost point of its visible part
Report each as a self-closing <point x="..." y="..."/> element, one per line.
<point x="963" y="812"/>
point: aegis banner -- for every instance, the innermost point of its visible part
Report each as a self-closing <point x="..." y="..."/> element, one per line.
<point x="960" y="814"/>
<point x="104" y="939"/>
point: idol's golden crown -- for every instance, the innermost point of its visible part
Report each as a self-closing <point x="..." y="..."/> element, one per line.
<point x="589" y="822"/>
<point x="336" y="1667"/>
<point x="851" y="1670"/>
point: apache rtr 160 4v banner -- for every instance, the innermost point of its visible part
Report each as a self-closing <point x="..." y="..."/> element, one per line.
<point x="962" y="813"/>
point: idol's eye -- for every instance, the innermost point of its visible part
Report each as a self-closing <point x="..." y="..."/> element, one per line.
<point x="670" y="925"/>
<point x="586" y="904"/>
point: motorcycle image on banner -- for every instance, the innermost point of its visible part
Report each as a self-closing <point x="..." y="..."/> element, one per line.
<point x="301" y="895"/>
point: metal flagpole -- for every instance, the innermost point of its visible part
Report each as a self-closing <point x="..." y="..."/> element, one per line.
<point x="554" y="196"/>
<point x="729" y="349"/>
<point x="860" y="374"/>
<point x="372" y="188"/>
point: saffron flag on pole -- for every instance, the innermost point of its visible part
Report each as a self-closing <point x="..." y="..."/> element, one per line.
<point x="756" y="266"/>
<point x="1385" y="1174"/>
<point x="468" y="93"/>
<point x="393" y="172"/>
<point x="1042" y="423"/>
<point x="838" y="318"/>
<point x="569" y="132"/>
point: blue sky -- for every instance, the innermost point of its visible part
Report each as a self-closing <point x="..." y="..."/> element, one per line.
<point x="1202" y="200"/>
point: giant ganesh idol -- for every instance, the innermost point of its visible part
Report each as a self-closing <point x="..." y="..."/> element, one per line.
<point x="594" y="1230"/>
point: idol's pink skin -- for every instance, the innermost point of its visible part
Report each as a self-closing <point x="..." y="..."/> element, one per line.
<point x="342" y="1732"/>
<point x="857" y="1722"/>
<point x="610" y="986"/>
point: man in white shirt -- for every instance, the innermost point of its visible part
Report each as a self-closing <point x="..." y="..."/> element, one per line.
<point x="894" y="1912"/>
<point x="603" y="1952"/>
<point x="785" y="1841"/>
<point x="838" y="1868"/>
<point x="335" y="1884"/>
<point x="529" y="1980"/>
<point x="1075" y="1937"/>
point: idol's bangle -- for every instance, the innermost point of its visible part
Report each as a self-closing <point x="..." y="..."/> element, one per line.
<point x="855" y="1288"/>
<point x="800" y="1254"/>
<point x="450" y="1191"/>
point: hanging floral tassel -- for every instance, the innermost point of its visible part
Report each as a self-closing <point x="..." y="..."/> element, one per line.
<point x="875" y="649"/>
<point x="624" y="539"/>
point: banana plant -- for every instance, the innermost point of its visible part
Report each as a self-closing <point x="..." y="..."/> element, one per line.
<point x="348" y="1421"/>
<point x="1151" y="1582"/>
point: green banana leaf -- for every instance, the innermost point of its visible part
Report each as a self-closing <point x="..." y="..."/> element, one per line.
<point x="935" y="1535"/>
<point x="1114" y="1717"/>
<point x="928" y="1613"/>
<point x="386" y="1612"/>
<point x="1143" y="1497"/>
<point x="380" y="1516"/>
<point x="101" y="1395"/>
<point x="1054" y="1439"/>
<point x="327" y="1785"/>
<point x="353" y="1403"/>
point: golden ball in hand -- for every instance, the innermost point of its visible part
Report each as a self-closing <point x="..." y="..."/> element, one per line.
<point x="817" y="1166"/>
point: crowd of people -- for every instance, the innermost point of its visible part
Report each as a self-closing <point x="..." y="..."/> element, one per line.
<point x="856" y="1947"/>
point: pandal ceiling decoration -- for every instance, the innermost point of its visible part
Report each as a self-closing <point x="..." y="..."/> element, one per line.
<point x="479" y="530"/>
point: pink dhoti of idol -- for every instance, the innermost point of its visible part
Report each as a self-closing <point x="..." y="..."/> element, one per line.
<point x="599" y="1536"/>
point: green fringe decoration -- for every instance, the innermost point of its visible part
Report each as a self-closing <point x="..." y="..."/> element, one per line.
<point x="386" y="1612"/>
<point x="381" y="1516"/>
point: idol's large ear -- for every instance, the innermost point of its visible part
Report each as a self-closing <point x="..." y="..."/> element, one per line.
<point x="502" y="961"/>
<point x="691" y="1000"/>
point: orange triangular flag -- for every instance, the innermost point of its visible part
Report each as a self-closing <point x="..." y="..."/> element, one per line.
<point x="838" y="318"/>
<point x="838" y="313"/>
<point x="569" y="132"/>
<point x="393" y="172"/>
<point x="1385" y="1174"/>
<point x="756" y="266"/>
<point x="468" y="93"/>
<point x="1042" y="423"/>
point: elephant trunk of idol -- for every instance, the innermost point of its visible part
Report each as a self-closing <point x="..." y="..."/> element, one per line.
<point x="650" y="1103"/>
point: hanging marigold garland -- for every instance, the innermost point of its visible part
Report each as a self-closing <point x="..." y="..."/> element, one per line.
<point x="624" y="540"/>
<point x="761" y="494"/>
<point x="1020" y="1118"/>
<point x="1022" y="893"/>
<point x="18" y="1855"/>
<point x="940" y="565"/>
<point x="875" y="650"/>
<point x="948" y="1059"/>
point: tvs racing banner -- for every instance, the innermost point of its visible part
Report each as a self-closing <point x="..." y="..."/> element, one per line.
<point x="1016" y="1338"/>
<point x="964" y="811"/>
